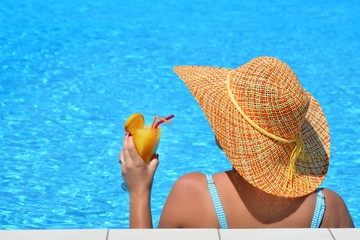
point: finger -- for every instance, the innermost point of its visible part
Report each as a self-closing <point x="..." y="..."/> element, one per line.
<point x="154" y="163"/>
<point x="155" y="156"/>
<point x="121" y="156"/>
<point x="123" y="146"/>
<point x="125" y="149"/>
<point x="121" y="159"/>
<point x="124" y="140"/>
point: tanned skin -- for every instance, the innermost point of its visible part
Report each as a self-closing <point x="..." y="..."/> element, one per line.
<point x="189" y="204"/>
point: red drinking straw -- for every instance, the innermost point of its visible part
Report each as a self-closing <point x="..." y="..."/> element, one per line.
<point x="161" y="121"/>
<point x="157" y="117"/>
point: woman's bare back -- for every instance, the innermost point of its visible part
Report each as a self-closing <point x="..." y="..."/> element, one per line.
<point x="190" y="205"/>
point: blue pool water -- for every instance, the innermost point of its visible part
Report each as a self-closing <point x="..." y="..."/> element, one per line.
<point x="72" y="72"/>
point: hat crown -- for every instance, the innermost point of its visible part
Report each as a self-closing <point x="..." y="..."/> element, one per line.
<point x="270" y="94"/>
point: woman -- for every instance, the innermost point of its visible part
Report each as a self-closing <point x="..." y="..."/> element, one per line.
<point x="275" y="135"/>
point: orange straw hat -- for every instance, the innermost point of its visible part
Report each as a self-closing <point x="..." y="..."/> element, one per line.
<point x="271" y="129"/>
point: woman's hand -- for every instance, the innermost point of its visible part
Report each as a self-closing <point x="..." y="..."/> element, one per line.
<point x="137" y="175"/>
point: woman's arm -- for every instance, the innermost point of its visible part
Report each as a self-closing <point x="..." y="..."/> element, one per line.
<point x="140" y="211"/>
<point x="138" y="177"/>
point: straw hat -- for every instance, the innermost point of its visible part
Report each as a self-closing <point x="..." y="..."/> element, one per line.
<point x="271" y="129"/>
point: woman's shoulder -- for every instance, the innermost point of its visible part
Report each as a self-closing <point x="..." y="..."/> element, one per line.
<point x="193" y="181"/>
<point x="333" y="201"/>
<point x="336" y="211"/>
<point x="193" y="175"/>
<point x="188" y="190"/>
<point x="187" y="204"/>
<point x="196" y="181"/>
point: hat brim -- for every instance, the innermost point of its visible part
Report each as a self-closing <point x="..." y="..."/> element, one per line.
<point x="260" y="160"/>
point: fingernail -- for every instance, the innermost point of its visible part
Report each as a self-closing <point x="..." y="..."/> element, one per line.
<point x="129" y="134"/>
<point x="126" y="134"/>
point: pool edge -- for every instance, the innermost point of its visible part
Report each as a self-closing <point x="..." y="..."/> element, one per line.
<point x="188" y="234"/>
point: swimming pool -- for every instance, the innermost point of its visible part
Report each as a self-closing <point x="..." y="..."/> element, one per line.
<point x="72" y="72"/>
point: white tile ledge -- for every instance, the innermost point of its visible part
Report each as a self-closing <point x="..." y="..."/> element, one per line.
<point x="162" y="234"/>
<point x="276" y="234"/>
<point x="66" y="234"/>
<point x="187" y="234"/>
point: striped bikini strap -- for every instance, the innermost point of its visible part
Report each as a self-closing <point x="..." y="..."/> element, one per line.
<point x="319" y="209"/>
<point x="216" y="200"/>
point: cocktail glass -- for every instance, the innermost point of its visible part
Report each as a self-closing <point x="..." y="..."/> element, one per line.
<point x="147" y="139"/>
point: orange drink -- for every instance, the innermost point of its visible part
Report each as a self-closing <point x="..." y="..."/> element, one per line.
<point x="146" y="141"/>
<point x="146" y="138"/>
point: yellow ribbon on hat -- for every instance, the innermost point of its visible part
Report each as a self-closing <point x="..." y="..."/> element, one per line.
<point x="299" y="142"/>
